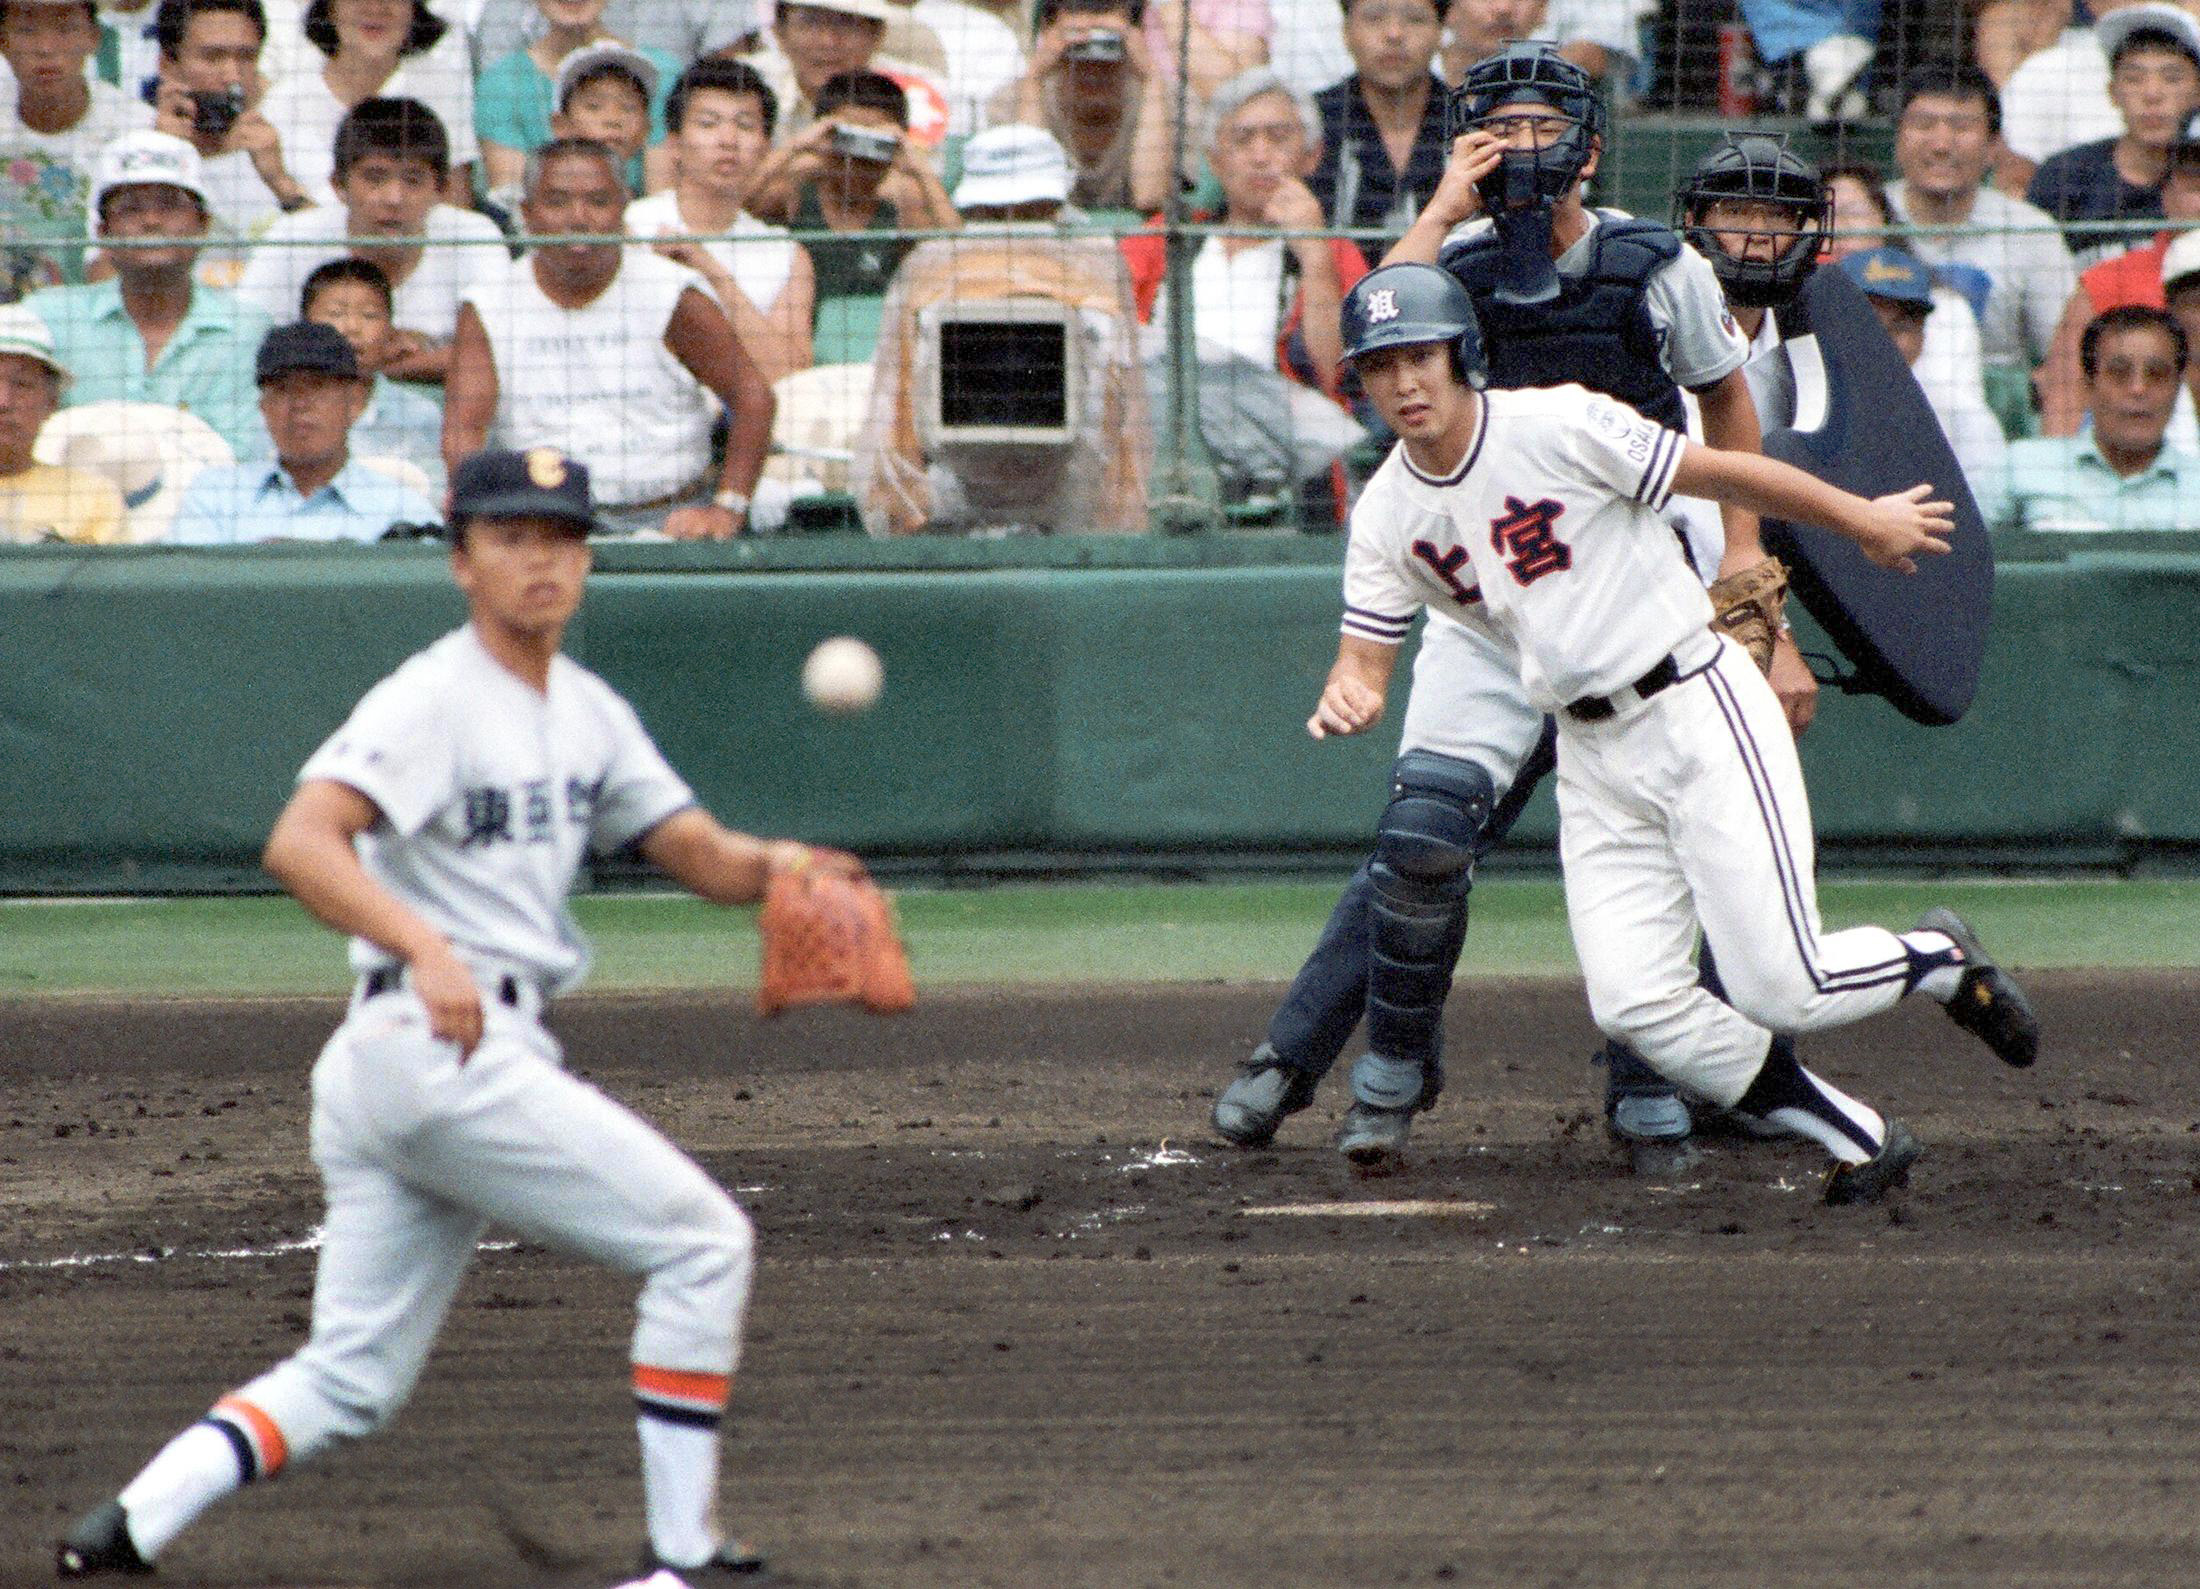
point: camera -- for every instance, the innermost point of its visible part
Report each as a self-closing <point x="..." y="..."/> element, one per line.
<point x="1105" y="45"/>
<point x="212" y="115"/>
<point x="866" y="143"/>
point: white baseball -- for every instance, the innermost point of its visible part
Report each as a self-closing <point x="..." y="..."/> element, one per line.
<point x="843" y="675"/>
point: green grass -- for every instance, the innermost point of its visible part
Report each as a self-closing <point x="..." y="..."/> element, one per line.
<point x="1026" y="934"/>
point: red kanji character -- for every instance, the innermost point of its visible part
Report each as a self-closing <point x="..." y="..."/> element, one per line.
<point x="1524" y="536"/>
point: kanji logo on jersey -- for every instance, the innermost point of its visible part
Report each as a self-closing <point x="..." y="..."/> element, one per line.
<point x="1445" y="565"/>
<point x="1525" y="535"/>
<point x="1382" y="304"/>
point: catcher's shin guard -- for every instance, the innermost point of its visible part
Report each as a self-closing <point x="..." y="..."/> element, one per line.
<point x="1425" y="848"/>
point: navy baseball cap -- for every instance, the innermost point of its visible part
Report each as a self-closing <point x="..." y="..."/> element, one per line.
<point x="306" y="345"/>
<point x="1891" y="273"/>
<point x="541" y="482"/>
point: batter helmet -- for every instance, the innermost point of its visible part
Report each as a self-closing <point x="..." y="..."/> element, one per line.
<point x="1753" y="167"/>
<point x="1405" y="305"/>
<point x="1526" y="178"/>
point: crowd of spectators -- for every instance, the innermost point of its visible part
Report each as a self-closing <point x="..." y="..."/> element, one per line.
<point x="314" y="251"/>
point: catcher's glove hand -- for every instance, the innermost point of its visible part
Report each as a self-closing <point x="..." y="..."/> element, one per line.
<point x="1751" y="605"/>
<point x="829" y="938"/>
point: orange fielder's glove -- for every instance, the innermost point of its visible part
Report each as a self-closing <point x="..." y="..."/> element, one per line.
<point x="829" y="938"/>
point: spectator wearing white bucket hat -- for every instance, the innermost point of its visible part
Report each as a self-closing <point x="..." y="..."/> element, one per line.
<point x="1014" y="173"/>
<point x="42" y="502"/>
<point x="153" y="334"/>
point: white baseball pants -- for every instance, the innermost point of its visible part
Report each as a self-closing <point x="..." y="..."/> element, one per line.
<point x="1466" y="702"/>
<point x="1688" y="811"/>
<point x="419" y="1152"/>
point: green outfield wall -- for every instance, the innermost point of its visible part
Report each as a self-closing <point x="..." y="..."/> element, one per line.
<point x="1071" y="702"/>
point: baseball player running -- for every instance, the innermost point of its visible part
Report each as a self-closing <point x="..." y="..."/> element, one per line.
<point x="441" y="826"/>
<point x="1533" y="517"/>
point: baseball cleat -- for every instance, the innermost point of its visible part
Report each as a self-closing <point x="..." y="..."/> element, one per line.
<point x="736" y="1562"/>
<point x="1374" y="1139"/>
<point x="1988" y="1003"/>
<point x="99" y="1544"/>
<point x="1878" y="1175"/>
<point x="1252" y="1107"/>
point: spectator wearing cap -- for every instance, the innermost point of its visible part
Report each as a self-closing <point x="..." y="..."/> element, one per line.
<point x="864" y="189"/>
<point x="1899" y="287"/>
<point x="2056" y="97"/>
<point x="312" y="392"/>
<point x="49" y="148"/>
<point x="353" y="297"/>
<point x="720" y="115"/>
<point x="2123" y="473"/>
<point x="1383" y="134"/>
<point x="43" y="502"/>
<point x="609" y="93"/>
<point x="2132" y="277"/>
<point x="2154" y="83"/>
<point x="370" y="49"/>
<point x="153" y="334"/>
<point x="812" y="43"/>
<point x="2007" y="259"/>
<point x="519" y="95"/>
<point x="1093" y="83"/>
<point x="910" y="475"/>
<point x="618" y="356"/>
<point x="392" y="158"/>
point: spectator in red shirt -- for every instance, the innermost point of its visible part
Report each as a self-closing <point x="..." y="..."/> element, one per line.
<point x="2134" y="277"/>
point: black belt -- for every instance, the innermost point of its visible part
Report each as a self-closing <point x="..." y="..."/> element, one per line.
<point x="389" y="979"/>
<point x="1596" y="708"/>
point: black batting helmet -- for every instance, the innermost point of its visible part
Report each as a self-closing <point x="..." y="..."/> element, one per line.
<point x="1755" y="167"/>
<point x="1403" y="305"/>
<point x="1529" y="72"/>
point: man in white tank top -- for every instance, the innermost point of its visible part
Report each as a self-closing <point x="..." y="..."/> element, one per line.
<point x="442" y="826"/>
<point x="611" y="354"/>
<point x="1534" y="516"/>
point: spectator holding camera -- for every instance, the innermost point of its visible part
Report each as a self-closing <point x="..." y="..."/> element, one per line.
<point x="853" y="172"/>
<point x="721" y="115"/>
<point x="1092" y="82"/>
<point x="613" y="353"/>
<point x="813" y="43"/>
<point x="210" y="94"/>
<point x="49" y="149"/>
<point x="391" y="161"/>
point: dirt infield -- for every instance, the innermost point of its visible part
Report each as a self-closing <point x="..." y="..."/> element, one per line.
<point x="1003" y="1337"/>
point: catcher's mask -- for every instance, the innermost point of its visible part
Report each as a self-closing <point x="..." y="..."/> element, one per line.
<point x="1756" y="168"/>
<point x="1402" y="305"/>
<point x="1528" y="180"/>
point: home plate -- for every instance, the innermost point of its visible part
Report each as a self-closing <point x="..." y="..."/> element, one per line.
<point x="1408" y="1207"/>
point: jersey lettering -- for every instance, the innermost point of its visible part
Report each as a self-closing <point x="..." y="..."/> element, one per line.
<point x="1524" y="536"/>
<point x="535" y="800"/>
<point x="1445" y="566"/>
<point x="488" y="816"/>
<point x="580" y="801"/>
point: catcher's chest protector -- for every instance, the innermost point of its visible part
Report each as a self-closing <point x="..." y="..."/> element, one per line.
<point x="1597" y="333"/>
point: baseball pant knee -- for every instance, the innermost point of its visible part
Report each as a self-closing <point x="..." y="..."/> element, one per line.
<point x="693" y="1302"/>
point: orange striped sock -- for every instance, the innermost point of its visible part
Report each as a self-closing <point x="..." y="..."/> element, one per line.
<point x="264" y="1441"/>
<point x="681" y="1396"/>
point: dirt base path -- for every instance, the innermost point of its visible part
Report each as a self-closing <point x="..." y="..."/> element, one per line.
<point x="1003" y="1336"/>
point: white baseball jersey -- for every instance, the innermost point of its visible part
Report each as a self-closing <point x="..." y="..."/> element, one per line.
<point x="491" y="795"/>
<point x="1549" y="531"/>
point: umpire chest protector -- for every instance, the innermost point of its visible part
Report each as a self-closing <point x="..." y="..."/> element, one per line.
<point x="1597" y="332"/>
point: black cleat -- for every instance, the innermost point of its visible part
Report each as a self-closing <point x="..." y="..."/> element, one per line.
<point x="1373" y="1139"/>
<point x="99" y="1544"/>
<point x="1876" y="1176"/>
<point x="1266" y="1090"/>
<point x="737" y="1562"/>
<point x="1988" y="1003"/>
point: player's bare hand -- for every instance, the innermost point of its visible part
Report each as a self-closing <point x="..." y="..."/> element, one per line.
<point x="1349" y="705"/>
<point x="443" y="984"/>
<point x="1474" y="155"/>
<point x="1794" y="683"/>
<point x="1897" y="528"/>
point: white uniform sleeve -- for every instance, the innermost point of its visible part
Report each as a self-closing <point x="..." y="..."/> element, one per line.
<point x="1703" y="344"/>
<point x="640" y="788"/>
<point x="1380" y="602"/>
<point x="397" y="749"/>
<point x="1618" y="449"/>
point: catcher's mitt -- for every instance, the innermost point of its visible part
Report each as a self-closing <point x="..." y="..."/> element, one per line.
<point x="1752" y="607"/>
<point x="829" y="938"/>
